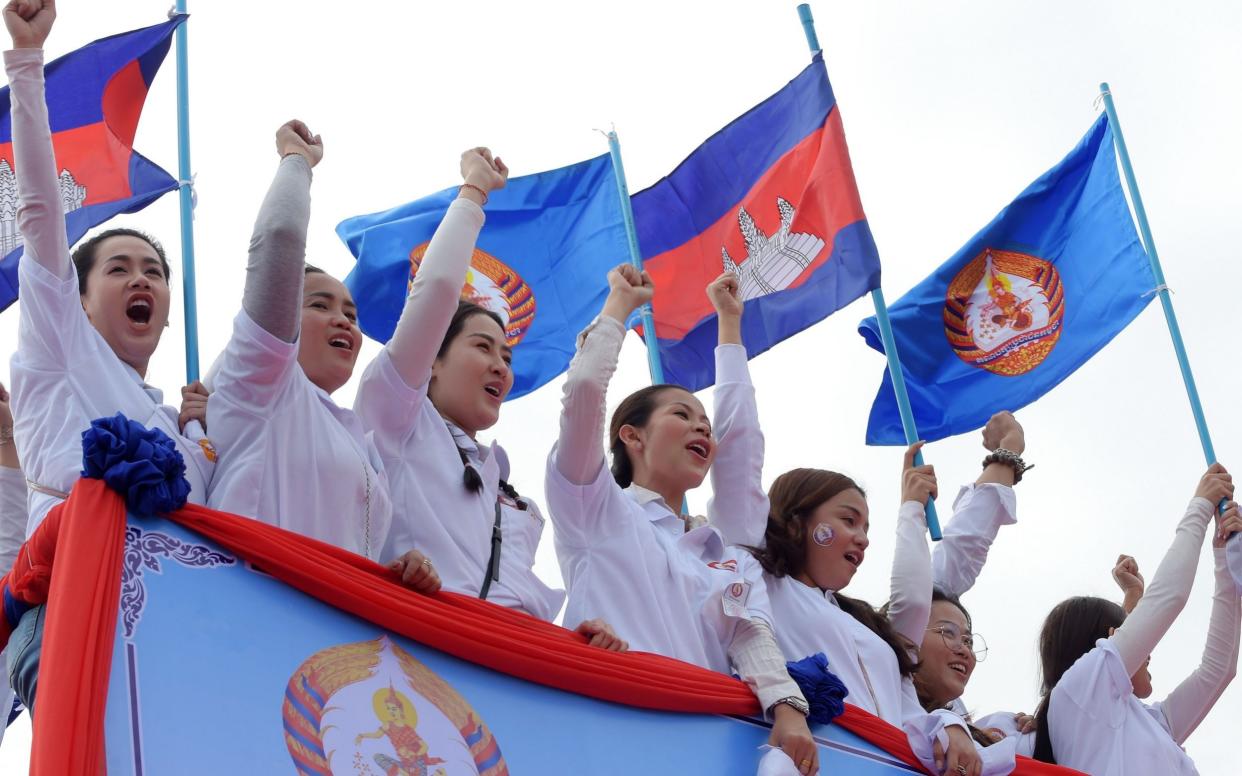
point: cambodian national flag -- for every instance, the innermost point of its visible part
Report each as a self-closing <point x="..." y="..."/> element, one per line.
<point x="94" y="99"/>
<point x="771" y="196"/>
<point x="1038" y="291"/>
<point x="541" y="262"/>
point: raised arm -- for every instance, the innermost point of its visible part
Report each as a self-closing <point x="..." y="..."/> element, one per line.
<point x="1191" y="701"/>
<point x="40" y="217"/>
<point x="979" y="511"/>
<point x="1128" y="577"/>
<point x="1170" y="586"/>
<point x="579" y="448"/>
<point x="275" y="268"/>
<point x="909" y="607"/>
<point x="437" y="286"/>
<point x="739" y="504"/>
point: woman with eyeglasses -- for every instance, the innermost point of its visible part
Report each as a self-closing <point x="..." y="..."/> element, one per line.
<point x="815" y="541"/>
<point x="1094" y="659"/>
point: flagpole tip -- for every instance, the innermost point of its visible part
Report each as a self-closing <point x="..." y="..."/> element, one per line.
<point x="1104" y="87"/>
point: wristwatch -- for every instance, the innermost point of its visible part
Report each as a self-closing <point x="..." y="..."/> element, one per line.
<point x="796" y="703"/>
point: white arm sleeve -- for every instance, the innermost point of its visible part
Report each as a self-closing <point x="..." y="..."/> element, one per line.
<point x="759" y="662"/>
<point x="12" y="517"/>
<point x="1191" y="701"/>
<point x="739" y="505"/>
<point x="580" y="446"/>
<point x="1168" y="592"/>
<point x="910" y="596"/>
<point x="435" y="293"/>
<point x="978" y="514"/>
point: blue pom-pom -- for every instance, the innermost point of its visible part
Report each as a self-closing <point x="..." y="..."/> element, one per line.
<point x="824" y="691"/>
<point x="142" y="464"/>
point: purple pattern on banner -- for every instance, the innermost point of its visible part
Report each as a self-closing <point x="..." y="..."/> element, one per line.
<point x="143" y="550"/>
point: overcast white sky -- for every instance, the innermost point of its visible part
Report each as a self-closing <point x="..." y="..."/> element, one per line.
<point x="951" y="109"/>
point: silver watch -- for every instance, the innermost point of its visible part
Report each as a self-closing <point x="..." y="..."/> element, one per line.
<point x="796" y="703"/>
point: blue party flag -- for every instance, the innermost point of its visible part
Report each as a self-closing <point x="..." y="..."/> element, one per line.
<point x="94" y="100"/>
<point x="1038" y="291"/>
<point x="541" y="261"/>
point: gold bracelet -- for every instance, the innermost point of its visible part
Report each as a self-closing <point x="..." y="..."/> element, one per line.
<point x="482" y="193"/>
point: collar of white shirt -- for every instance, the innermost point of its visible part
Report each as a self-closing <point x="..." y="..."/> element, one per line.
<point x="703" y="540"/>
<point x="156" y="394"/>
<point x="477" y="454"/>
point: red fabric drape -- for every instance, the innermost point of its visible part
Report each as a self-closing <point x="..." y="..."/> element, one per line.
<point x="86" y="536"/>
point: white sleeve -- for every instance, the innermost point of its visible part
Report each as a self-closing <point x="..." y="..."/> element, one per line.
<point x="252" y="374"/>
<point x="12" y="519"/>
<point x="435" y="293"/>
<point x="910" y="597"/>
<point x="760" y="664"/>
<point x="40" y="215"/>
<point x="579" y="453"/>
<point x="1191" y="701"/>
<point x="1168" y="592"/>
<point x="739" y="505"/>
<point x="978" y="514"/>
<point x="924" y="730"/>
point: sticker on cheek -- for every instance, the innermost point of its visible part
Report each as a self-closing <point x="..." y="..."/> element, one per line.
<point x="823" y="535"/>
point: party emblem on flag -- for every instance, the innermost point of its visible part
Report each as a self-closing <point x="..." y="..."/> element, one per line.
<point x="771" y="263"/>
<point x="491" y="284"/>
<point x="1003" y="312"/>
<point x="352" y="705"/>
<point x="72" y="195"/>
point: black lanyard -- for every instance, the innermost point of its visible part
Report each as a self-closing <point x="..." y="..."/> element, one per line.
<point x="493" y="563"/>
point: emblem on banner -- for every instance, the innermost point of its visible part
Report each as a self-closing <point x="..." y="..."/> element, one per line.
<point x="773" y="262"/>
<point x="372" y="708"/>
<point x="72" y="197"/>
<point x="1004" y="312"/>
<point x="492" y="284"/>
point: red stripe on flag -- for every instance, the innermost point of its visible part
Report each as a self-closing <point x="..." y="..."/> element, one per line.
<point x="123" y="98"/>
<point x="93" y="157"/>
<point x="815" y="177"/>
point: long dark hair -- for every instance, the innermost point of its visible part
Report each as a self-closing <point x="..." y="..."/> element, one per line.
<point x="634" y="410"/>
<point x="470" y="476"/>
<point x="1070" y="631"/>
<point x="84" y="255"/>
<point x="792" y="499"/>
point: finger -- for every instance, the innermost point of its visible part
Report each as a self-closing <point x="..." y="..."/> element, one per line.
<point x="501" y="167"/>
<point x="951" y="762"/>
<point x="911" y="452"/>
<point x="938" y="755"/>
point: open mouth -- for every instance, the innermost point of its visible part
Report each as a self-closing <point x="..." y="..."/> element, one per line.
<point x="493" y="390"/>
<point x="139" y="309"/>
<point x="958" y="667"/>
<point x="700" y="449"/>
<point x="342" y="342"/>
<point x="854" y="558"/>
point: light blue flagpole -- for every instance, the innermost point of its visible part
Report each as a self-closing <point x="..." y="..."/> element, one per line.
<point x="636" y="258"/>
<point x="1162" y="290"/>
<point x="186" y="193"/>
<point x="886" y="328"/>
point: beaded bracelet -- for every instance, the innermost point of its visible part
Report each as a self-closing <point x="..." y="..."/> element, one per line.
<point x="482" y="193"/>
<point x="1012" y="460"/>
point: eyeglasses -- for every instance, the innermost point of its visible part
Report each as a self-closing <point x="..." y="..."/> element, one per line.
<point x="953" y="638"/>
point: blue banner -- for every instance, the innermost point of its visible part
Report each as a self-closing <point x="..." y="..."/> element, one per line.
<point x="1038" y="291"/>
<point x="219" y="668"/>
<point x="541" y="261"/>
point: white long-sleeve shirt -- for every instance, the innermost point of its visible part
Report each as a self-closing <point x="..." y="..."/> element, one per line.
<point x="979" y="511"/>
<point x="1096" y="723"/>
<point x="626" y="556"/>
<point x="434" y="512"/>
<point x="64" y="373"/>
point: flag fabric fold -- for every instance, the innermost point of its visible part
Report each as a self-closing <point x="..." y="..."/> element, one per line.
<point x="772" y="196"/>
<point x="541" y="261"/>
<point x="1037" y="292"/>
<point x="94" y="100"/>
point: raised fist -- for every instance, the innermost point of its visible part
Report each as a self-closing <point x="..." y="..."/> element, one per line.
<point x="294" y="137"/>
<point x="29" y="22"/>
<point x="479" y="168"/>
<point x="1003" y="430"/>
<point x="725" y="295"/>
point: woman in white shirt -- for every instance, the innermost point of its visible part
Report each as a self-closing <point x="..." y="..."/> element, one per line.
<point x="1094" y="659"/>
<point x="625" y="550"/>
<point x="87" y="327"/>
<point x="816" y="539"/>
<point x="289" y="455"/>
<point x="439" y="381"/>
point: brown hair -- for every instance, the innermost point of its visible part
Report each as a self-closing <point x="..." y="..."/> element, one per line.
<point x="980" y="737"/>
<point x="792" y="499"/>
<point x="1070" y="631"/>
<point x="84" y="254"/>
<point x="634" y="410"/>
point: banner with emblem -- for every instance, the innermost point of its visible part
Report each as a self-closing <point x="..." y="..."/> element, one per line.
<point x="541" y="262"/>
<point x="771" y="197"/>
<point x="1035" y="294"/>
<point x="94" y="100"/>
